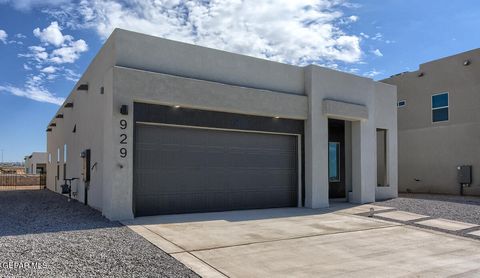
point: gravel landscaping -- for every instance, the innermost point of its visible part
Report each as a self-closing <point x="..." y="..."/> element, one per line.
<point x="459" y="208"/>
<point x="41" y="234"/>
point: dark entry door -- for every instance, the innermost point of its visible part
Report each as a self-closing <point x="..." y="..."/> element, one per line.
<point x="336" y="158"/>
<point x="184" y="170"/>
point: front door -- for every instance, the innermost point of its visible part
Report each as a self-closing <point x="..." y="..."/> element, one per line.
<point x="336" y="158"/>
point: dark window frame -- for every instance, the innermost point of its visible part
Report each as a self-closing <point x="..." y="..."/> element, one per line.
<point x="440" y="108"/>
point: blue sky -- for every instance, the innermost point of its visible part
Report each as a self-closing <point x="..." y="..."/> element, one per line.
<point x="46" y="45"/>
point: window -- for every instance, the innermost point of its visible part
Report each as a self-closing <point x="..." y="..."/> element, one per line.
<point x="440" y="107"/>
<point x="401" y="103"/>
<point x="382" y="169"/>
<point x="65" y="153"/>
<point x="333" y="161"/>
<point x="49" y="158"/>
<point x="58" y="155"/>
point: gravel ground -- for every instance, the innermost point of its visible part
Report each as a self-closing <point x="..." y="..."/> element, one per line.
<point x="43" y="235"/>
<point x="459" y="208"/>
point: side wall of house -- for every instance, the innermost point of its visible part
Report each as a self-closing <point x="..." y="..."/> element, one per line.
<point x="429" y="152"/>
<point x="81" y="128"/>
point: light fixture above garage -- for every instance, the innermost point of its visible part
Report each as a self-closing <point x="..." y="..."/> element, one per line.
<point x="177" y="106"/>
<point x="277" y="117"/>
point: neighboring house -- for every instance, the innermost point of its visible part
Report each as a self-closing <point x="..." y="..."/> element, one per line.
<point x="439" y="124"/>
<point x="12" y="170"/>
<point x="157" y="127"/>
<point x="36" y="163"/>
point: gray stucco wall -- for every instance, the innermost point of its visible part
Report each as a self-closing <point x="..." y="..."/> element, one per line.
<point x="138" y="68"/>
<point x="140" y="51"/>
<point x="430" y="152"/>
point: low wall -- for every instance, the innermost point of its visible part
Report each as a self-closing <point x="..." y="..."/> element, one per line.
<point x="21" y="180"/>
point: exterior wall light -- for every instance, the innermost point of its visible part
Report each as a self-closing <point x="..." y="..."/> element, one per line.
<point x="82" y="87"/>
<point x="176" y="106"/>
<point x="277" y="117"/>
<point x="466" y="62"/>
<point x="124" y="109"/>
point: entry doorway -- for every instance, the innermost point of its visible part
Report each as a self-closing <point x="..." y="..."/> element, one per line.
<point x="336" y="160"/>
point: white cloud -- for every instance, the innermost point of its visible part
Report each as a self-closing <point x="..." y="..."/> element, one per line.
<point x="51" y="35"/>
<point x="70" y="75"/>
<point x="25" y="5"/>
<point x="69" y="53"/>
<point x="377" y="52"/>
<point x="296" y="32"/>
<point x="372" y="73"/>
<point x="26" y="67"/>
<point x="353" y="18"/>
<point x="33" y="92"/>
<point x="3" y="36"/>
<point x="49" y="69"/>
<point x="364" y="35"/>
<point x="20" y="36"/>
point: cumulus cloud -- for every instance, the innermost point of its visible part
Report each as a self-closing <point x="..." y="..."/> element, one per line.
<point x="51" y="35"/>
<point x="69" y="53"/>
<point x="43" y="63"/>
<point x="3" y="36"/>
<point x="296" y="32"/>
<point x="377" y="52"/>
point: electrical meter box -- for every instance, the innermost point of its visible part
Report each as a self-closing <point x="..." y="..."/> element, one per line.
<point x="464" y="174"/>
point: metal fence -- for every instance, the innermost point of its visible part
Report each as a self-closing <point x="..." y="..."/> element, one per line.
<point x="22" y="182"/>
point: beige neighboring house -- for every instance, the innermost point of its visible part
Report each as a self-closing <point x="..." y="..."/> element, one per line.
<point x="439" y="124"/>
<point x="36" y="163"/>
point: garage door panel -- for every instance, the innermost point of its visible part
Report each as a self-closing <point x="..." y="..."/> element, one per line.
<point x="181" y="170"/>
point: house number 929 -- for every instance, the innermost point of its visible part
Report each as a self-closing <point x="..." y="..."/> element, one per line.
<point x="123" y="138"/>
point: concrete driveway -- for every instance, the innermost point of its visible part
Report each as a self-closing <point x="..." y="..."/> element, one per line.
<point x="297" y="242"/>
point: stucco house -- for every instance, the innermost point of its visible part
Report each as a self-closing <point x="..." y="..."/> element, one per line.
<point x="156" y="126"/>
<point x="439" y="125"/>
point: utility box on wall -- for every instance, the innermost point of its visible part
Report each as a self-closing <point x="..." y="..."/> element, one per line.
<point x="464" y="174"/>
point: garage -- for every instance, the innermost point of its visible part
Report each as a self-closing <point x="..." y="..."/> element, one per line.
<point x="182" y="169"/>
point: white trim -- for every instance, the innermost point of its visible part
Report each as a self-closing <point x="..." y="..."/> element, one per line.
<point x="299" y="146"/>
<point x="441" y="107"/>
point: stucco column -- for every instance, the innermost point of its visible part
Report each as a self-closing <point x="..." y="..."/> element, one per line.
<point x="363" y="162"/>
<point x="316" y="148"/>
<point x="118" y="178"/>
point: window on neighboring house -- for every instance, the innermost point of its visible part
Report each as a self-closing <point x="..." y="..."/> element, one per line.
<point x="440" y="107"/>
<point x="65" y="153"/>
<point x="401" y="103"/>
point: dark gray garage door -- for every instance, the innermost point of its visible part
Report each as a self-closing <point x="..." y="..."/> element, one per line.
<point x="182" y="170"/>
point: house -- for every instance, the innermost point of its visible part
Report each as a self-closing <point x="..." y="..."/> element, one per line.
<point x="156" y="126"/>
<point x="439" y="125"/>
<point x="36" y="163"/>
